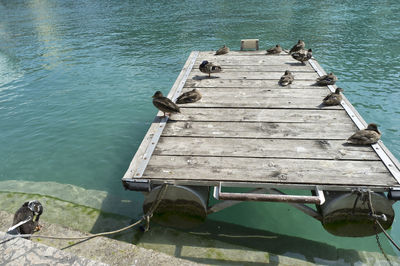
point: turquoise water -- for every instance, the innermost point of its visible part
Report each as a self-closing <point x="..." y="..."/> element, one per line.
<point x="76" y="80"/>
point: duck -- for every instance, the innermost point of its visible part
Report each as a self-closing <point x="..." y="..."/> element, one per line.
<point x="286" y="79"/>
<point x="26" y="218"/>
<point x="208" y="67"/>
<point x="297" y="47"/>
<point x="164" y="104"/>
<point x="275" y="50"/>
<point x="367" y="136"/>
<point x="333" y="98"/>
<point x="328" y="79"/>
<point x="223" y="50"/>
<point x="302" y="55"/>
<point x="189" y="97"/>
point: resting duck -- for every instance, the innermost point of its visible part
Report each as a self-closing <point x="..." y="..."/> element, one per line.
<point x="297" y="47"/>
<point x="333" y="98"/>
<point x="208" y="67"/>
<point x="328" y="79"/>
<point x="164" y="104"/>
<point x="366" y="136"/>
<point x="302" y="55"/>
<point x="223" y="50"/>
<point x="26" y="218"/>
<point x="275" y="50"/>
<point x="189" y="97"/>
<point x="286" y="79"/>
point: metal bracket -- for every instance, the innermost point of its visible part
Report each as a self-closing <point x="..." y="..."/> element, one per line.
<point x="142" y="185"/>
<point x="319" y="199"/>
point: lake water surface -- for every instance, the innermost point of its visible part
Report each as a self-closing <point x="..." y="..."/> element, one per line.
<point x="76" y="80"/>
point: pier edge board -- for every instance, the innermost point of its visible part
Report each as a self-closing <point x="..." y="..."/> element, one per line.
<point x="139" y="155"/>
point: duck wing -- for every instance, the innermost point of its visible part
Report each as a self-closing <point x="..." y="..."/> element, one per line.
<point x="166" y="105"/>
<point x="213" y="68"/>
<point x="328" y="96"/>
<point x="364" y="137"/>
<point x="188" y="97"/>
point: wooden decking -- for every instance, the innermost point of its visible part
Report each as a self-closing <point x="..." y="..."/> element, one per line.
<point x="249" y="131"/>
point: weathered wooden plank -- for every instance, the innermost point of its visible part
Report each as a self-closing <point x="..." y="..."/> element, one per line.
<point x="214" y="82"/>
<point x="260" y="52"/>
<point x="331" y="130"/>
<point x="264" y="148"/>
<point x="226" y="74"/>
<point x="261" y="115"/>
<point x="262" y="101"/>
<point x="258" y="93"/>
<point x="268" y="68"/>
<point x="231" y="169"/>
<point x="248" y="59"/>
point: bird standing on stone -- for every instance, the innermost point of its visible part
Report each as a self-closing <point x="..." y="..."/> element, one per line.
<point x="367" y="136"/>
<point x="297" y="47"/>
<point x="328" y="79"/>
<point x="286" y="79"/>
<point x="164" y="104"/>
<point x="26" y="218"/>
<point x="223" y="50"/>
<point x="333" y="98"/>
<point x="189" y="97"/>
<point x="208" y="68"/>
<point x="302" y="55"/>
<point x="275" y="50"/>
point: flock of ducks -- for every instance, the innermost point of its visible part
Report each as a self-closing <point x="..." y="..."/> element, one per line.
<point x="367" y="136"/>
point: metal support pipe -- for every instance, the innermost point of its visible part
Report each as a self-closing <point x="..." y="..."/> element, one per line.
<point x="269" y="197"/>
<point x="319" y="199"/>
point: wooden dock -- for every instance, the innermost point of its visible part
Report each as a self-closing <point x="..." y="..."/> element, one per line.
<point x="247" y="131"/>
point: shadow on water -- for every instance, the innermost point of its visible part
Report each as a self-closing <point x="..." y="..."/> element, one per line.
<point x="241" y="244"/>
<point x="127" y="212"/>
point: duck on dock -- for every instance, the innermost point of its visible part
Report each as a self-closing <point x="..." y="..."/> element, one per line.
<point x="286" y="79"/>
<point x="302" y="55"/>
<point x="333" y="98"/>
<point x="189" y="97"/>
<point x="367" y="136"/>
<point x="275" y="50"/>
<point x="328" y="79"/>
<point x="223" y="50"/>
<point x="297" y="47"/>
<point x="26" y="218"/>
<point x="208" y="68"/>
<point x="164" y="104"/>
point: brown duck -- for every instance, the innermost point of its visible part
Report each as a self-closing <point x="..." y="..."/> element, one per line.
<point x="189" y="97"/>
<point x="164" y="104"/>
<point x="302" y="55"/>
<point x="275" y="50"/>
<point x="286" y="79"/>
<point x="366" y="136"/>
<point x="297" y="47"/>
<point x="223" y="50"/>
<point x="333" y="98"/>
<point x="208" y="67"/>
<point x="328" y="79"/>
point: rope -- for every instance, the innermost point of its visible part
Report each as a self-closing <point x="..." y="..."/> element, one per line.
<point x="376" y="222"/>
<point x="145" y="218"/>
<point x="153" y="207"/>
